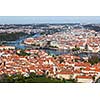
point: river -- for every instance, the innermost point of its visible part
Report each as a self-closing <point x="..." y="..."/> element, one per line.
<point x="20" y="45"/>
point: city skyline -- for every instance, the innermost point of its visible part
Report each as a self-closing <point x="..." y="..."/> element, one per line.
<point x="48" y="19"/>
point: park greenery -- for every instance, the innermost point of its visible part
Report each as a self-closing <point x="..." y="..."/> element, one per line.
<point x="32" y="78"/>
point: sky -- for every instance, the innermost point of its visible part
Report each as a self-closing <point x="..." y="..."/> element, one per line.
<point x="48" y="19"/>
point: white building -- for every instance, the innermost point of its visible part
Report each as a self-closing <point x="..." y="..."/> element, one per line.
<point x="7" y="47"/>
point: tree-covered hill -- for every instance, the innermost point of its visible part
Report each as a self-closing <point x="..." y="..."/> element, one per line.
<point x="11" y="36"/>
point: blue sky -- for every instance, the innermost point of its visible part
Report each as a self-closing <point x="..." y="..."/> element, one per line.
<point x="48" y="19"/>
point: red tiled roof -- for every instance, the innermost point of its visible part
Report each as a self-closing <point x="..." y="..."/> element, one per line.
<point x="84" y="77"/>
<point x="65" y="72"/>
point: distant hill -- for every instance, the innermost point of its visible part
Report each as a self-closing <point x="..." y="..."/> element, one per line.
<point x="92" y="27"/>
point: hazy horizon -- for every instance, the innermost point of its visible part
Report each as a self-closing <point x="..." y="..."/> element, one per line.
<point x="48" y="19"/>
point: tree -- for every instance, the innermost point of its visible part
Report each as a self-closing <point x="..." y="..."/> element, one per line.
<point x="76" y="48"/>
<point x="23" y="53"/>
<point x="93" y="59"/>
<point x="86" y="47"/>
<point x="61" y="59"/>
<point x="93" y="78"/>
<point x="81" y="69"/>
